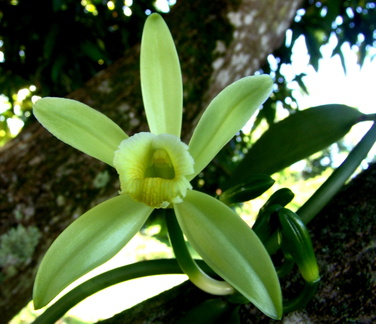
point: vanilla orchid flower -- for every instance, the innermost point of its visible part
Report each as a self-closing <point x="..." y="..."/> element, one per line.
<point x="155" y="170"/>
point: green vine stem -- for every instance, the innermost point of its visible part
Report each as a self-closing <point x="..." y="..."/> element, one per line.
<point x="104" y="280"/>
<point x="337" y="179"/>
<point x="371" y="117"/>
<point x="302" y="299"/>
<point x="332" y="185"/>
<point x="188" y="265"/>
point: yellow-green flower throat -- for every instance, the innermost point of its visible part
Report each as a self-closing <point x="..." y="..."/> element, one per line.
<point x="153" y="168"/>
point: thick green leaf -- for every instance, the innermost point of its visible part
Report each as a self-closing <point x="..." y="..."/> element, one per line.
<point x="229" y="111"/>
<point x="296" y="137"/>
<point x="91" y="240"/>
<point x="161" y="81"/>
<point x="230" y="247"/>
<point x="80" y="126"/>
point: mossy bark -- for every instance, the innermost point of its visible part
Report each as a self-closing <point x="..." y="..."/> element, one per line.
<point x="45" y="184"/>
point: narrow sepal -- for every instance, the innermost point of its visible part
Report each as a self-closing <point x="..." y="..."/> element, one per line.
<point x="88" y="242"/>
<point x="161" y="81"/>
<point x="230" y="247"/>
<point x="225" y="116"/>
<point x="80" y="126"/>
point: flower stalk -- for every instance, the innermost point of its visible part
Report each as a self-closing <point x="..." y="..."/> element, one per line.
<point x="188" y="265"/>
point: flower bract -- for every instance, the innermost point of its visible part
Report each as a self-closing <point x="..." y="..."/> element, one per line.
<point x="154" y="170"/>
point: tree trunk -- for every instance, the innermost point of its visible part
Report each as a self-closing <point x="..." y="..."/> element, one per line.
<point x="45" y="184"/>
<point x="344" y="239"/>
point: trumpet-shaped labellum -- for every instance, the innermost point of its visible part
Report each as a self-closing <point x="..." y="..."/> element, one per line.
<point x="153" y="168"/>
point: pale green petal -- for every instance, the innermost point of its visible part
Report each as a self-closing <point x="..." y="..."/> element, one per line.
<point x="229" y="111"/>
<point x="80" y="126"/>
<point x="229" y="246"/>
<point x="88" y="242"/>
<point x="161" y="81"/>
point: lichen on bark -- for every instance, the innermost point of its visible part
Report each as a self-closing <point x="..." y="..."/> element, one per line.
<point x="17" y="249"/>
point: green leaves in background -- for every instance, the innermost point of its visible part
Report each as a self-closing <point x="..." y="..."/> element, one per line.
<point x="59" y="45"/>
<point x="295" y="138"/>
<point x="249" y="188"/>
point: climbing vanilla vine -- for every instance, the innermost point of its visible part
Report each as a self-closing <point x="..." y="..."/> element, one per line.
<point x="155" y="169"/>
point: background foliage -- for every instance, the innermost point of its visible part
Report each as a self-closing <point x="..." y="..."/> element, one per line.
<point x="349" y="22"/>
<point x="60" y="44"/>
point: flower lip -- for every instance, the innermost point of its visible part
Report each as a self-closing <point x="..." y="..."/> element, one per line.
<point x="161" y="166"/>
<point x="153" y="168"/>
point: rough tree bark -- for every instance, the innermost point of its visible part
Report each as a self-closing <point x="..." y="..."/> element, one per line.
<point x="45" y="185"/>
